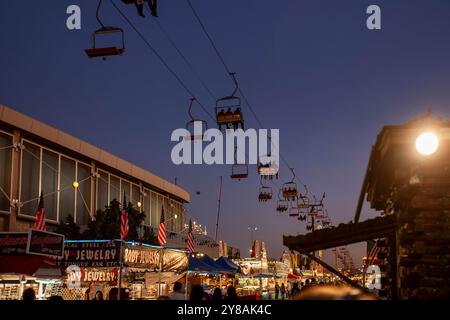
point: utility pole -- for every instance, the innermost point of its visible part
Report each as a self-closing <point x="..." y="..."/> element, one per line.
<point x="218" y="209"/>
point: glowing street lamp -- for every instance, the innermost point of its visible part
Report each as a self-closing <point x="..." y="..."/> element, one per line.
<point x="427" y="143"/>
<point x="75" y="184"/>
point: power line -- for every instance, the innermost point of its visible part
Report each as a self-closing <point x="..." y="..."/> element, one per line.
<point x="228" y="70"/>
<point x="161" y="59"/>
<point x="186" y="60"/>
<point x="209" y="37"/>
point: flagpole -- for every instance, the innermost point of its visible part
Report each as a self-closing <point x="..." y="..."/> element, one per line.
<point x="120" y="269"/>
<point x="161" y="258"/>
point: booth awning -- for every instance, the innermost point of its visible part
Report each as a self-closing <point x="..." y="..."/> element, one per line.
<point x="23" y="264"/>
<point x="292" y="276"/>
<point x="227" y="263"/>
<point x="207" y="264"/>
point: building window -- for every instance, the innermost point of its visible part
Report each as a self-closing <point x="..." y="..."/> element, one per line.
<point x="54" y="175"/>
<point x="83" y="194"/>
<point x="6" y="142"/>
<point x="114" y="188"/>
<point x="49" y="183"/>
<point x="156" y="214"/>
<point x="30" y="173"/>
<point x="125" y="189"/>
<point x="136" y="196"/>
<point x="67" y="192"/>
<point x="147" y="201"/>
<point x="102" y="190"/>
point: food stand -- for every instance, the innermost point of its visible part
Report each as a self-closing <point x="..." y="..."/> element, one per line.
<point x="93" y="265"/>
<point x="25" y="262"/>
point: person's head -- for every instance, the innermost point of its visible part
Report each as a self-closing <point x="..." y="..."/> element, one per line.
<point x="295" y="285"/>
<point x="98" y="295"/>
<point x="28" y="294"/>
<point x="196" y="292"/>
<point x="307" y="282"/>
<point x="313" y="281"/>
<point x="217" y="294"/>
<point x="177" y="287"/>
<point x="231" y="293"/>
<point x="56" y="298"/>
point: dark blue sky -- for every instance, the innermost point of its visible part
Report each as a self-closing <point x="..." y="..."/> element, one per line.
<point x="309" y="68"/>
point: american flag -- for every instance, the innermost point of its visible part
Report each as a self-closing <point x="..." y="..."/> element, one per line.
<point x="190" y="239"/>
<point x="39" y="224"/>
<point x="124" y="227"/>
<point x="162" y="239"/>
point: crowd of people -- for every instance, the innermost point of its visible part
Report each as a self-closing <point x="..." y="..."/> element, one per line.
<point x="198" y="293"/>
<point x="310" y="289"/>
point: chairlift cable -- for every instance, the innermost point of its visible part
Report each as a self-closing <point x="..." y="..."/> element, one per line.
<point x="186" y="60"/>
<point x="228" y="70"/>
<point x="156" y="53"/>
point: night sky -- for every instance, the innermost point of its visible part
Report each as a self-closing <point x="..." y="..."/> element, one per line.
<point x="310" y="68"/>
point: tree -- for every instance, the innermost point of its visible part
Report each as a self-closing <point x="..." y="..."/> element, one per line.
<point x="69" y="228"/>
<point x="106" y="225"/>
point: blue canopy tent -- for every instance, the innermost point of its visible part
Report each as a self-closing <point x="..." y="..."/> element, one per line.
<point x="207" y="264"/>
<point x="227" y="263"/>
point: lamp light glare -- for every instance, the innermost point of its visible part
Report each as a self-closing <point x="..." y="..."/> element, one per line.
<point x="75" y="184"/>
<point x="427" y="143"/>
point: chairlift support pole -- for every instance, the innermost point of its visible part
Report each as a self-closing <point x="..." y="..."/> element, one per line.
<point x="218" y="209"/>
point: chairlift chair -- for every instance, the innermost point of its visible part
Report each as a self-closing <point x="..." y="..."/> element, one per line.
<point x="282" y="206"/>
<point x="313" y="211"/>
<point x="290" y="191"/>
<point x="104" y="52"/>
<point x="302" y="217"/>
<point x="239" y="171"/>
<point x="190" y="125"/>
<point x="294" y="212"/>
<point x="265" y="194"/>
<point x="309" y="227"/>
<point x="268" y="170"/>
<point x="228" y="110"/>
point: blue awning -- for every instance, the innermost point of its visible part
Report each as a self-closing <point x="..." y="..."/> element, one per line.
<point x="227" y="263"/>
<point x="207" y="264"/>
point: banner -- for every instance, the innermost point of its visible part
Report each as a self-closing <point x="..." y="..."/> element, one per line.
<point x="98" y="254"/>
<point x="142" y="257"/>
<point x="99" y="275"/>
<point x="175" y="261"/>
<point x="148" y="258"/>
<point x="45" y="243"/>
<point x="13" y="243"/>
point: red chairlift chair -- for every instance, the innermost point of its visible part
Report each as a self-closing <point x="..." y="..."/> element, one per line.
<point x="239" y="171"/>
<point x="104" y="52"/>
